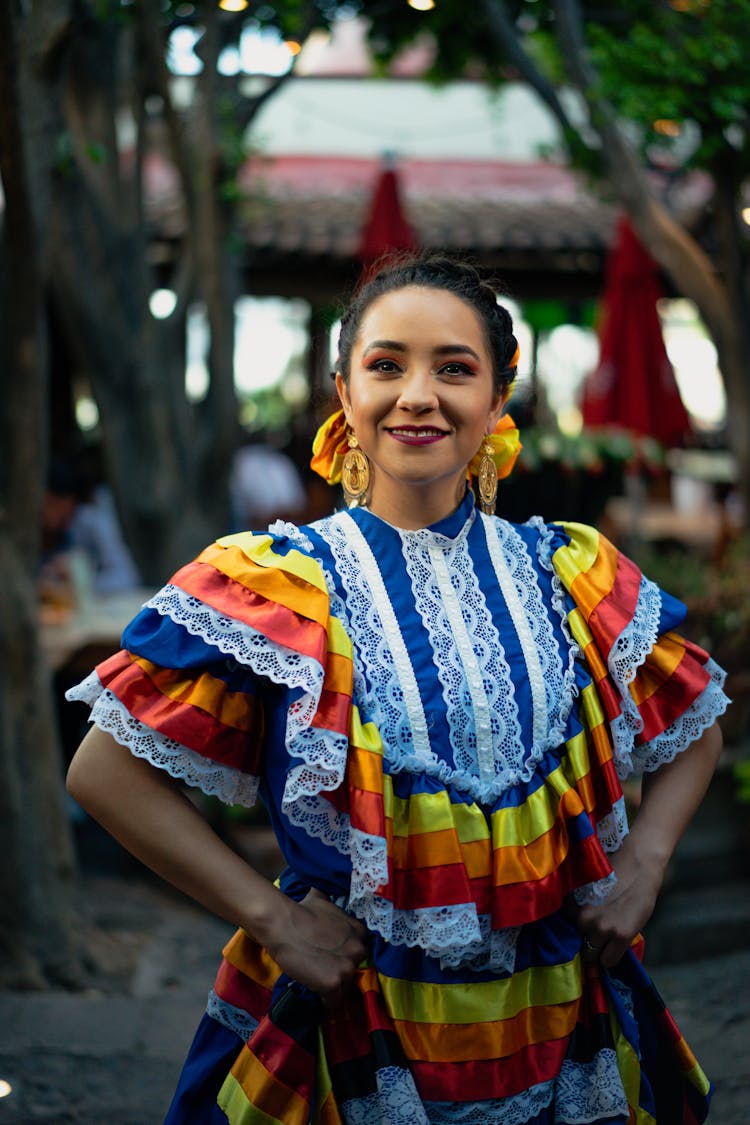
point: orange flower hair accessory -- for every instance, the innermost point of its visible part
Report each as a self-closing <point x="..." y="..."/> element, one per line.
<point x="506" y="445"/>
<point x="330" y="447"/>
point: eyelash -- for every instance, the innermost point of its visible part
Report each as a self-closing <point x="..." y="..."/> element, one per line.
<point x="393" y="367"/>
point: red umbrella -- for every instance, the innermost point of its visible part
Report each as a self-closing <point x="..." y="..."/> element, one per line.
<point x="386" y="227"/>
<point x="633" y="385"/>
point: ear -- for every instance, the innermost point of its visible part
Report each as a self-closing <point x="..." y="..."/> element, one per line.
<point x="496" y="410"/>
<point x="343" y="392"/>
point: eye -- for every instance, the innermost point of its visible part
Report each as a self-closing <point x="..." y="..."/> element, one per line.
<point x="455" y="367"/>
<point x="384" y="366"/>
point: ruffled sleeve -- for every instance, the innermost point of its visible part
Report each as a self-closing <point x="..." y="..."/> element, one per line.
<point x="658" y="691"/>
<point x="187" y="689"/>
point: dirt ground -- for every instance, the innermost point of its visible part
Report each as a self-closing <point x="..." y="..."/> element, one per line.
<point x="111" y="1053"/>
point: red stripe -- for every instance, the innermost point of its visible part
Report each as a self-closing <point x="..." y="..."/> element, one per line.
<point x="367" y="812"/>
<point x="187" y="724"/>
<point x="284" y="1058"/>
<point x="444" y="885"/>
<point x="276" y="622"/>
<point x="236" y="988"/>
<point x="616" y="609"/>
<point x="524" y="902"/>
<point x="333" y="711"/>
<point x="673" y="698"/>
<point x="483" y="1079"/>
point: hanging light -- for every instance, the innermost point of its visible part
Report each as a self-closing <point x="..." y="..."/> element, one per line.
<point x="233" y="5"/>
<point x="421" y="5"/>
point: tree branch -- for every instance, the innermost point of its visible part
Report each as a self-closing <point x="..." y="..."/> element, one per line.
<point x="503" y="31"/>
<point x="671" y="246"/>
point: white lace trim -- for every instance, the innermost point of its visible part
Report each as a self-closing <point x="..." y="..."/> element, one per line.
<point x="456" y="935"/>
<point x="701" y="714"/>
<point x="467" y="641"/>
<point x="613" y="828"/>
<point x="285" y="530"/>
<point x="400" y="661"/>
<point x="395" y="1102"/>
<point x="589" y="1092"/>
<point x="504" y="543"/>
<point x="516" y="1109"/>
<point x="594" y="894"/>
<point x="228" y="784"/>
<point x="383" y="698"/>
<point x="323" y="752"/>
<point x="235" y="1019"/>
<point x="478" y="692"/>
<point x="235" y="638"/>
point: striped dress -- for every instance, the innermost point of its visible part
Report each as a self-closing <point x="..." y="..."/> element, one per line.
<point x="438" y="722"/>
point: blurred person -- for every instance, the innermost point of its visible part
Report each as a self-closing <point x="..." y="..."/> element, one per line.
<point x="264" y="484"/>
<point x="438" y="709"/>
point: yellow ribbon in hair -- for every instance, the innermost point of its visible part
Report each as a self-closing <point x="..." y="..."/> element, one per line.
<point x="330" y="446"/>
<point x="506" y="445"/>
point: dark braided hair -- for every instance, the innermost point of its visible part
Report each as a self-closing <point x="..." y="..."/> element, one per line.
<point x="435" y="271"/>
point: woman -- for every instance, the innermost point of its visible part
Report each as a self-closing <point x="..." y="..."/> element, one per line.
<point x="437" y="707"/>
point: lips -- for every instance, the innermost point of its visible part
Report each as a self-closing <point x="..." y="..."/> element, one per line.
<point x="417" y="435"/>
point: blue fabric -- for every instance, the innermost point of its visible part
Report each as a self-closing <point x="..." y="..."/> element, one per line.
<point x="211" y="1056"/>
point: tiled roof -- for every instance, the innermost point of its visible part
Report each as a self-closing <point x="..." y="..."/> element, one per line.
<point x="318" y="205"/>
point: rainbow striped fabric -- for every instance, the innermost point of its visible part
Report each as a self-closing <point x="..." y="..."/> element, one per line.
<point x="315" y="660"/>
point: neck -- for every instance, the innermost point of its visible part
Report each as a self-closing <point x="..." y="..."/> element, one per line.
<point x="415" y="506"/>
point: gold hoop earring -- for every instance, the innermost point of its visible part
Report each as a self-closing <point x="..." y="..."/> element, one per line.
<point x="355" y="473"/>
<point x="487" y="479"/>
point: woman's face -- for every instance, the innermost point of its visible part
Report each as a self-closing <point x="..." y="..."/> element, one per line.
<point x="419" y="398"/>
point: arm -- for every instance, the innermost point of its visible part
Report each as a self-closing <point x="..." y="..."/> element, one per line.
<point x="670" y="797"/>
<point x="145" y="809"/>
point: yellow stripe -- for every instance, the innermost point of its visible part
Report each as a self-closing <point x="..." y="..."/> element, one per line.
<point x="481" y="1001"/>
<point x="432" y="812"/>
<point x="233" y="1100"/>
<point x="579" y="628"/>
<point x="338" y="639"/>
<point x="697" y="1078"/>
<point x="325" y="1111"/>
<point x="630" y="1073"/>
<point x="592" y="711"/>
<point x="579" y="555"/>
<point x="259" y="548"/>
<point x="521" y="824"/>
<point x="516" y="826"/>
<point x="365" y="736"/>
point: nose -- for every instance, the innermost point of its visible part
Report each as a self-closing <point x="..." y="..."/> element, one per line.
<point x="418" y="392"/>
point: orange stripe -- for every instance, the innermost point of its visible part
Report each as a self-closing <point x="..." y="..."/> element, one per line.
<point x="266" y="1093"/>
<point x="590" y="586"/>
<point x="433" y="849"/>
<point x="277" y="585"/>
<point x="659" y="667"/>
<point x="232" y="708"/>
<point x="452" y="1042"/>
<point x="364" y="769"/>
<point x="252" y="959"/>
<point x="338" y="673"/>
<point x="524" y="863"/>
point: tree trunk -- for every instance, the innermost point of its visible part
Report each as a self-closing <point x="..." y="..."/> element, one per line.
<point x="37" y="941"/>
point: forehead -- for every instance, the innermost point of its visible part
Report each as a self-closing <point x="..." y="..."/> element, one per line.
<point x="422" y="315"/>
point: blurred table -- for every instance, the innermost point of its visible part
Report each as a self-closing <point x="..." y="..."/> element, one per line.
<point x="92" y="630"/>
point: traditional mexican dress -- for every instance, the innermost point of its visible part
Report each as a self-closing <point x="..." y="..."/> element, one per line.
<point x="438" y="722"/>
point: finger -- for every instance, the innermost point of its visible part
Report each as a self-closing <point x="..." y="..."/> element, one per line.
<point x="590" y="950"/>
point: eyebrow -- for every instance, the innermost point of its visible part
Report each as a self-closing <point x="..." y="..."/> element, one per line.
<point x="442" y="349"/>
